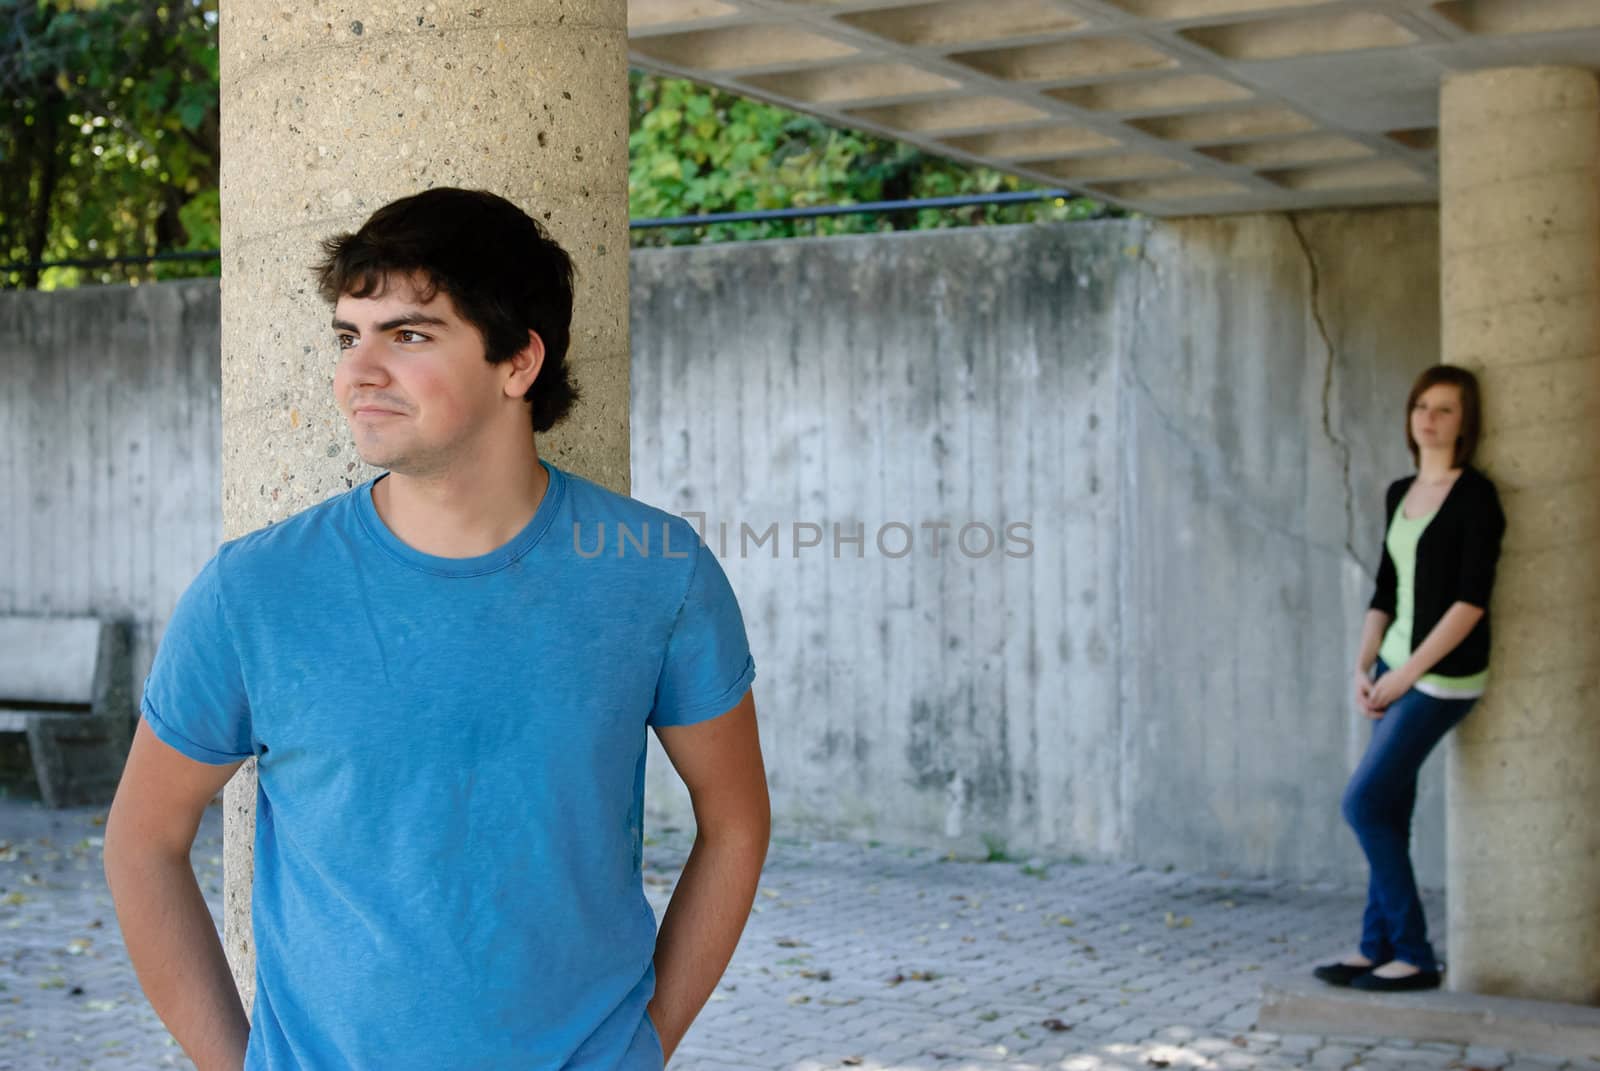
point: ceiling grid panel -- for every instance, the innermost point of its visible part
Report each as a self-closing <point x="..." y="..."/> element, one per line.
<point x="1170" y="107"/>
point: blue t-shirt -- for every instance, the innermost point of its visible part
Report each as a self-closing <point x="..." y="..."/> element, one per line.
<point x="451" y="756"/>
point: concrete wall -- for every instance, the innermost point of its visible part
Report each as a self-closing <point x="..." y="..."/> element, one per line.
<point x="954" y="379"/>
<point x="1263" y="393"/>
<point x="1198" y="419"/>
<point x="110" y="447"/>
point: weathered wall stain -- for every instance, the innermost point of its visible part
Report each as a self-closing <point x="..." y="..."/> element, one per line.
<point x="1163" y="679"/>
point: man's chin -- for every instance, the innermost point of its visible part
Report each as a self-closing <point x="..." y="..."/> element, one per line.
<point x="381" y="459"/>
<point x="398" y="464"/>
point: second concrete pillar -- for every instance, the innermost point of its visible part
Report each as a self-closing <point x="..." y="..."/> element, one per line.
<point x="1520" y="246"/>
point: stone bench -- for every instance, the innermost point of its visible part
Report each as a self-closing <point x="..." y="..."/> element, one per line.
<point x="67" y="682"/>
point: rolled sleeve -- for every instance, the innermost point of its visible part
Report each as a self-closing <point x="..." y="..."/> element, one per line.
<point x="707" y="667"/>
<point x="182" y="744"/>
<point x="195" y="699"/>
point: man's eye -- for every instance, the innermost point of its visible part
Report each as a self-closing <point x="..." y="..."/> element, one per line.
<point x="346" y="341"/>
<point x="415" y="337"/>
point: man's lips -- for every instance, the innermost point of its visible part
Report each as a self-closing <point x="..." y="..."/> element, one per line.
<point x="369" y="410"/>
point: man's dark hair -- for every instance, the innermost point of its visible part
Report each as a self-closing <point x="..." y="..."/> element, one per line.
<point x="1466" y="385"/>
<point x="504" y="274"/>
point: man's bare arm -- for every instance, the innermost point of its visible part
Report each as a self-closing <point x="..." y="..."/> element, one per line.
<point x="166" y="924"/>
<point x="720" y="762"/>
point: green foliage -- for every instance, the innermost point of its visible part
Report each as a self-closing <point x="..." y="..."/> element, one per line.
<point x="995" y="849"/>
<point x="108" y="136"/>
<point x="694" y="150"/>
<point x="109" y="147"/>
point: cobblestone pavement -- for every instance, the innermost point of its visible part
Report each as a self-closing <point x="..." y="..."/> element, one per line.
<point x="856" y="956"/>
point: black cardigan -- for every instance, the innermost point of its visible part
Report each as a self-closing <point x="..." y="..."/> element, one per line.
<point x="1456" y="559"/>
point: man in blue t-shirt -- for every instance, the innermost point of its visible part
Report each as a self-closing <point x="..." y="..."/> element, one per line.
<point x="445" y="676"/>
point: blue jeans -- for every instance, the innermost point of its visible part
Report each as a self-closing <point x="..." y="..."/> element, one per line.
<point x="1378" y="804"/>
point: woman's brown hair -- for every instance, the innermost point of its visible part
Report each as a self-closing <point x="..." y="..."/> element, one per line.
<point x="1466" y="385"/>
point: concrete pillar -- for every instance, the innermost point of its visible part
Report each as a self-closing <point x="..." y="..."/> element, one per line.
<point x="1520" y="247"/>
<point x="331" y="110"/>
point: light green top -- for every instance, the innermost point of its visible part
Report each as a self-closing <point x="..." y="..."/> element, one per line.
<point x="1401" y="542"/>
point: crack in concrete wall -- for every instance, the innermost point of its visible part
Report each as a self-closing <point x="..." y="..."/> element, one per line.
<point x="1210" y="728"/>
<point x="1208" y="460"/>
<point x="1314" y="304"/>
<point x="1171" y="671"/>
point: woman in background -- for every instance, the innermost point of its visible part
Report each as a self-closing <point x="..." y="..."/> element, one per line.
<point x="1424" y="662"/>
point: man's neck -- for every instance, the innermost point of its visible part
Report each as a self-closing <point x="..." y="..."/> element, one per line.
<point x="465" y="512"/>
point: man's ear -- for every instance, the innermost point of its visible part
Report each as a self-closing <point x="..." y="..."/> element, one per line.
<point x="523" y="367"/>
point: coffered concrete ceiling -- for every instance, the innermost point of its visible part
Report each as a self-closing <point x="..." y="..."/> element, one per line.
<point x="1171" y="107"/>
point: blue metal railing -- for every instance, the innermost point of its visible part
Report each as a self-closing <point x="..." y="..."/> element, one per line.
<point x="759" y="216"/>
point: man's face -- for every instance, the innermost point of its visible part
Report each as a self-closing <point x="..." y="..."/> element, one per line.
<point x="412" y="380"/>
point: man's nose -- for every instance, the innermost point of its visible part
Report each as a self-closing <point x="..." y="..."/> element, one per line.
<point x="364" y="366"/>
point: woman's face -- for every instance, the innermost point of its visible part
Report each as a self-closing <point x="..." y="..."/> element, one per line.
<point x="1436" y="418"/>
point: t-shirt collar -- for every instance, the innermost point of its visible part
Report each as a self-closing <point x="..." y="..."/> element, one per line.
<point x="479" y="565"/>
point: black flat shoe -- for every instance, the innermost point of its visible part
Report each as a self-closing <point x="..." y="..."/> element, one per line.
<point x="1340" y="974"/>
<point x="1373" y="983"/>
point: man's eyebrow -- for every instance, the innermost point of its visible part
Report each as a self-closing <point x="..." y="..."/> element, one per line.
<point x="409" y="320"/>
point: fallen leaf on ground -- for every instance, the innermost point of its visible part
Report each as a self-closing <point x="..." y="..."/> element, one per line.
<point x="912" y="976"/>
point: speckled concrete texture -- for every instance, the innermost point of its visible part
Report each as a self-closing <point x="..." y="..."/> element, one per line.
<point x="331" y="110"/>
<point x="1520" y="283"/>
